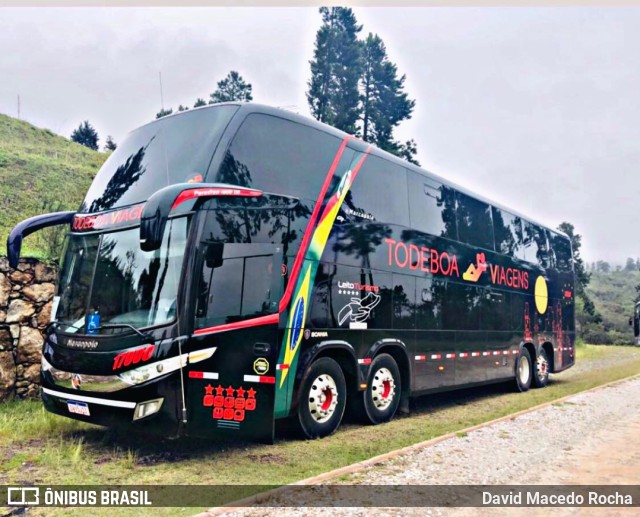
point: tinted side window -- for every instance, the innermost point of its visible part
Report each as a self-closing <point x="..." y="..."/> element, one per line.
<point x="404" y="301"/>
<point x="496" y="310"/>
<point x="507" y="229"/>
<point x="536" y="245"/>
<point x="432" y="206"/>
<point x="562" y="250"/>
<point x="279" y="156"/>
<point x="241" y="287"/>
<point x="430" y="297"/>
<point x="461" y="308"/>
<point x="379" y="193"/>
<point x="474" y="222"/>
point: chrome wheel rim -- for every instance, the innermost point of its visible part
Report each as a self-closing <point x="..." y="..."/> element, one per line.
<point x="323" y="398"/>
<point x="383" y="389"/>
<point x="524" y="370"/>
<point x="542" y="367"/>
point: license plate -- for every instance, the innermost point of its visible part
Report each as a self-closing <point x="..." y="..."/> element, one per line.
<point x="79" y="408"/>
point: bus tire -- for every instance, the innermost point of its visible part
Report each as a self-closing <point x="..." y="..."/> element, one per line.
<point x="523" y="370"/>
<point x="541" y="371"/>
<point x="381" y="398"/>
<point x="323" y="398"/>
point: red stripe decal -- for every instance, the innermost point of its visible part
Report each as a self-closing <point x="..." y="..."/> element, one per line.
<point x="282" y="367"/>
<point x="196" y="375"/>
<point x="297" y="264"/>
<point x="366" y="360"/>
<point x="253" y="322"/>
<point x="267" y="380"/>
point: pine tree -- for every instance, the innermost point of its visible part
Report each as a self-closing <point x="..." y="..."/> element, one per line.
<point x="163" y="113"/>
<point x="355" y="87"/>
<point x="199" y="102"/>
<point x="335" y="70"/>
<point x="86" y="135"/>
<point x="384" y="103"/>
<point x="110" y="145"/>
<point x="183" y="108"/>
<point x="232" y="88"/>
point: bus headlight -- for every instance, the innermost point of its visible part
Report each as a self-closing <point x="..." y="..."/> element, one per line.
<point x="149" y="372"/>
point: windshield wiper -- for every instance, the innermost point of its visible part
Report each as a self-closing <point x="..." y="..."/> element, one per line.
<point x="128" y="326"/>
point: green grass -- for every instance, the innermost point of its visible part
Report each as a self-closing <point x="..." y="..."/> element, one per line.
<point x="40" y="172"/>
<point x="38" y="447"/>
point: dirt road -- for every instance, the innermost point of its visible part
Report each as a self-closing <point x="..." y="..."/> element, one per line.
<point x="592" y="438"/>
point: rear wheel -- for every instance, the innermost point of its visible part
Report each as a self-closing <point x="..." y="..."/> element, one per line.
<point x="322" y="403"/>
<point x="541" y="374"/>
<point x="523" y="370"/>
<point x="382" y="396"/>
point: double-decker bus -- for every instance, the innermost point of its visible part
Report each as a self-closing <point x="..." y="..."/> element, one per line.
<point x="238" y="264"/>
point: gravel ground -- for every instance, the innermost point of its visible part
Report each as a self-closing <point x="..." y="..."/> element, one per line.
<point x="589" y="439"/>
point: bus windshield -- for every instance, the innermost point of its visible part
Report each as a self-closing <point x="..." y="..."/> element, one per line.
<point x="167" y="151"/>
<point x="108" y="279"/>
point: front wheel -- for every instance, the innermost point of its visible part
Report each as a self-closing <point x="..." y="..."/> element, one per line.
<point x="541" y="377"/>
<point x="523" y="370"/>
<point x="323" y="398"/>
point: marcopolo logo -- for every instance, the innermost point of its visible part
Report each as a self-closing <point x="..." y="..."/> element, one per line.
<point x="82" y="344"/>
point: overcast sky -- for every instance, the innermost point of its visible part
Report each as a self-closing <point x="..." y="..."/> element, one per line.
<point x="536" y="108"/>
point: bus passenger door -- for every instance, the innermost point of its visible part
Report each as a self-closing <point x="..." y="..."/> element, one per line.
<point x="233" y="352"/>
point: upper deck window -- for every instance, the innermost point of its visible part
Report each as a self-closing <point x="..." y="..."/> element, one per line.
<point x="432" y="206"/>
<point x="279" y="156"/>
<point x="170" y="150"/>
<point x="475" y="226"/>
<point x="508" y="233"/>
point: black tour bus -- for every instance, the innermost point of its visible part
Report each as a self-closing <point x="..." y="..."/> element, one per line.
<point x="237" y="264"/>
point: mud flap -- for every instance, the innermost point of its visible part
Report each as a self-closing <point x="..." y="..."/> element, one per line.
<point x="234" y="408"/>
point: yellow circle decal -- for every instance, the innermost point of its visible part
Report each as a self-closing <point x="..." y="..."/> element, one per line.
<point x="541" y="294"/>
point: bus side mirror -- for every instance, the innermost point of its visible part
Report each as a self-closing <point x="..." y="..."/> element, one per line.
<point x="213" y="255"/>
<point x="28" y="226"/>
<point x="160" y="205"/>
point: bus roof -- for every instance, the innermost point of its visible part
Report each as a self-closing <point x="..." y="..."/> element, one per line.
<point x="247" y="108"/>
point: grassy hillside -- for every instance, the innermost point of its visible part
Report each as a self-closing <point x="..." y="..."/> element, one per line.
<point x="40" y="172"/>
<point x="613" y="294"/>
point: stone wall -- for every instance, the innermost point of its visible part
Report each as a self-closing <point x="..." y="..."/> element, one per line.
<point x="26" y="295"/>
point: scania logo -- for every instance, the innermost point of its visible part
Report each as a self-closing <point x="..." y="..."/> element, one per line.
<point x="76" y="381"/>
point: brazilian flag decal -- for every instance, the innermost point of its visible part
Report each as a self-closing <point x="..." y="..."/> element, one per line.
<point x="302" y="292"/>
